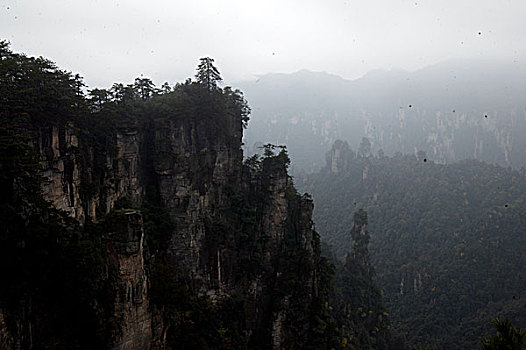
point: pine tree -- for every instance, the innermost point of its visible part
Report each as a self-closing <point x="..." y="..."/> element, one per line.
<point x="207" y="74"/>
<point x="144" y="88"/>
<point x="508" y="337"/>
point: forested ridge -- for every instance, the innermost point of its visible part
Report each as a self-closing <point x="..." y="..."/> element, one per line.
<point x="447" y="241"/>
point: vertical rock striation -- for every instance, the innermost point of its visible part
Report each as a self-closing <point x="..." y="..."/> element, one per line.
<point x="239" y="236"/>
<point x="126" y="268"/>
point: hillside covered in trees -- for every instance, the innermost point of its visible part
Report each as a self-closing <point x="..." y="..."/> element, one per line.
<point x="447" y="241"/>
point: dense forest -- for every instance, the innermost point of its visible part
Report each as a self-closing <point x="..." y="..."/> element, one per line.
<point x="447" y="241"/>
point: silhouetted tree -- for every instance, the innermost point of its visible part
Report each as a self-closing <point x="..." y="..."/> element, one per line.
<point x="98" y="97"/>
<point x="145" y="88"/>
<point x="165" y="88"/>
<point x="207" y="74"/>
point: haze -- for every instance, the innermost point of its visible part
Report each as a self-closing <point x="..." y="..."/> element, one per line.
<point x="116" y="41"/>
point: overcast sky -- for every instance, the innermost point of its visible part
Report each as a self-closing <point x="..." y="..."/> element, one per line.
<point x="110" y="41"/>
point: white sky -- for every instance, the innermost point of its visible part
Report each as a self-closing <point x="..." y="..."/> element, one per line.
<point x="109" y="41"/>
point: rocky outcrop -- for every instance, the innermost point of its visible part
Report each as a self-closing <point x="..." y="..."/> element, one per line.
<point x="192" y="168"/>
<point x="57" y="147"/>
<point x="6" y="339"/>
<point x="72" y="182"/>
<point x="125" y="246"/>
<point x="337" y="158"/>
<point x="148" y="231"/>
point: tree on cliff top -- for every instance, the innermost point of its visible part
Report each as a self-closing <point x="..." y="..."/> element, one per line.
<point x="207" y="74"/>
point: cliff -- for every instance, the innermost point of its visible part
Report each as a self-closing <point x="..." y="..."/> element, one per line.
<point x="170" y="239"/>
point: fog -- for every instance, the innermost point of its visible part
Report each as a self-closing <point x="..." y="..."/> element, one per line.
<point x="110" y="41"/>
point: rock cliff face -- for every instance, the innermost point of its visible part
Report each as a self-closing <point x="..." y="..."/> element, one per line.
<point x="73" y="186"/>
<point x="130" y="221"/>
<point x="237" y="233"/>
<point x="193" y="168"/>
<point x="125" y="247"/>
<point x="6" y="339"/>
<point x="56" y="148"/>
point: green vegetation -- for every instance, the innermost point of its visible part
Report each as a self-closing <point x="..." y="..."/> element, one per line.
<point x="358" y="309"/>
<point x="207" y="74"/>
<point x="446" y="240"/>
<point x="47" y="263"/>
<point x="35" y="87"/>
<point x="507" y="337"/>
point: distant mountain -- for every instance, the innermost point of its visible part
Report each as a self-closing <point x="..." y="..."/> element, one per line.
<point x="452" y="110"/>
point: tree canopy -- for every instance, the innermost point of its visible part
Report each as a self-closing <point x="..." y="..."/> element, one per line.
<point x="207" y="74"/>
<point x="508" y="337"/>
<point x="446" y="239"/>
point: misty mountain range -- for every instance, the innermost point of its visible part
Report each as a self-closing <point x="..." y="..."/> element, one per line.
<point x="453" y="110"/>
